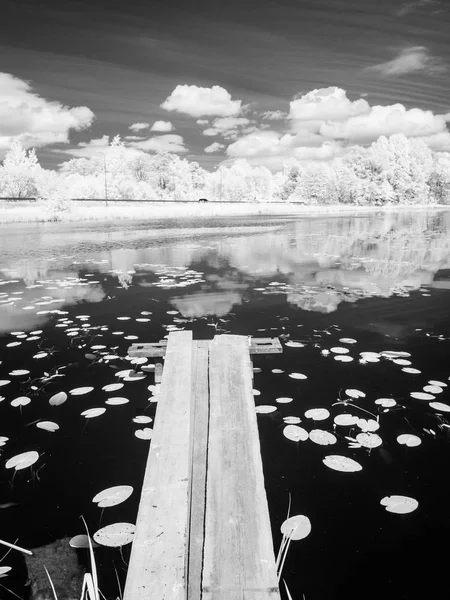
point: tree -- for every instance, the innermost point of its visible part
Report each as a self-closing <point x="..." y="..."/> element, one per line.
<point x="19" y="171"/>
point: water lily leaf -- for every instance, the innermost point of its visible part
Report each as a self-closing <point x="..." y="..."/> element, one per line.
<point x="90" y="413"/>
<point x="345" y="419"/>
<point x="440" y="406"/>
<point x="369" y="440"/>
<point x="296" y="528"/>
<point x="411" y="370"/>
<point x="341" y="463"/>
<point x="115" y="535"/>
<point x="317" y="414"/>
<point x="139" y="360"/>
<point x="292" y="344"/>
<point x="256" y="392"/>
<point x="144" y="434"/>
<point x="339" y="350"/>
<point x="395" y="354"/>
<point x="368" y="424"/>
<point x="386" y="402"/>
<point x="401" y="361"/>
<point x="292" y="420"/>
<point x="134" y="377"/>
<point x="19" y="372"/>
<point x="277" y="371"/>
<point x="297" y="376"/>
<point x="124" y="373"/>
<point x="112" y="387"/>
<point x="40" y="355"/>
<point x="408" y="439"/>
<point x="401" y="505"/>
<point x="4" y="382"/>
<point x="422" y="396"/>
<point x="321" y="437"/>
<point x="142" y="419"/>
<point x="58" y="399"/>
<point x="20" y="401"/>
<point x="370" y="355"/>
<point x="343" y="358"/>
<point x="283" y="400"/>
<point x="81" y="391"/>
<point x="116" y="400"/>
<point x="3" y="440"/>
<point x="347" y="341"/>
<point x="82" y="541"/>
<point x="113" y="496"/>
<point x="295" y="433"/>
<point x="265" y="409"/>
<point x="438" y="383"/>
<point x="48" y="426"/>
<point x="22" y="461"/>
<point x="352" y="393"/>
<point x="433" y="389"/>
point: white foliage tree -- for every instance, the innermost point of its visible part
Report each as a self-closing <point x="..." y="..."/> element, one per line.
<point x="19" y="172"/>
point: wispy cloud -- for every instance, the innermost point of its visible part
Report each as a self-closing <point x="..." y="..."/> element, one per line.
<point x="406" y="8"/>
<point x="410" y="60"/>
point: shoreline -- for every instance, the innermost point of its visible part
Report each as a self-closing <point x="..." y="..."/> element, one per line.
<point x="126" y="210"/>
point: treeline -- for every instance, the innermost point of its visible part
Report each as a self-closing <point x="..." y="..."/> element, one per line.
<point x="395" y="170"/>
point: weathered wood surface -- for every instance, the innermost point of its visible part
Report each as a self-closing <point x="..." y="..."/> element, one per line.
<point x="157" y="566"/>
<point x="198" y="451"/>
<point x="154" y="349"/>
<point x="239" y="562"/>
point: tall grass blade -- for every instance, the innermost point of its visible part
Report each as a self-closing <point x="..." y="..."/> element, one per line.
<point x="51" y="583"/>
<point x="93" y="577"/>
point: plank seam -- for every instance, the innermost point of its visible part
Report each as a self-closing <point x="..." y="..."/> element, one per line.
<point x="206" y="479"/>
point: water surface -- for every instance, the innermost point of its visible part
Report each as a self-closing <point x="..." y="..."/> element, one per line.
<point x="382" y="280"/>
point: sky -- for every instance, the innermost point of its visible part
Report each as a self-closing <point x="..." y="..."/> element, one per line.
<point x="218" y="80"/>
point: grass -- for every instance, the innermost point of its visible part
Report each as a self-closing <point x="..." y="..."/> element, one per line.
<point x="96" y="211"/>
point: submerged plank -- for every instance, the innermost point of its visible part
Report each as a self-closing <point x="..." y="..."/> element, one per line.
<point x="239" y="562"/>
<point x="157" y="566"/>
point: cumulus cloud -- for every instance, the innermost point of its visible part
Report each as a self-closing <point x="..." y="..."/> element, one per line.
<point x="228" y="127"/>
<point x="326" y="104"/>
<point x="94" y="147"/>
<point x="407" y="8"/>
<point x="386" y="120"/>
<point x="274" y="115"/>
<point x="410" y="60"/>
<point x="33" y="120"/>
<point x="162" y="143"/>
<point x="214" y="147"/>
<point x="202" y="121"/>
<point x="162" y="126"/>
<point x="132" y="138"/>
<point x="139" y="126"/>
<point x="202" y="102"/>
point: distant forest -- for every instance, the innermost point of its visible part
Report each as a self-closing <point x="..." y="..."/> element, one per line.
<point x="395" y="170"/>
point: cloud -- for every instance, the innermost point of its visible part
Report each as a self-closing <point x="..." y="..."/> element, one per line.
<point x="162" y="126"/>
<point x="386" y="120"/>
<point x="94" y="147"/>
<point x="214" y="147"/>
<point x="274" y="115"/>
<point x="438" y="141"/>
<point x="407" y="8"/>
<point x="325" y="104"/>
<point x="132" y="138"/>
<point x="411" y="60"/>
<point x="227" y="126"/>
<point x="202" y="121"/>
<point x="33" y="120"/>
<point x="139" y="126"/>
<point x="201" y="102"/>
<point x="162" y="143"/>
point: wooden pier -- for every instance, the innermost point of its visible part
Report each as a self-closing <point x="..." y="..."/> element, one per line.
<point x="203" y="529"/>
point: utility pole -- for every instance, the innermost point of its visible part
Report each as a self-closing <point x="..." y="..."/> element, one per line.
<point x="104" y="172"/>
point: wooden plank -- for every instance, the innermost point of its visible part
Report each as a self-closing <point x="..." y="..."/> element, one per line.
<point x="148" y="349"/>
<point x="239" y="561"/>
<point x="157" y="566"/>
<point x="199" y="450"/>
<point x="265" y="346"/>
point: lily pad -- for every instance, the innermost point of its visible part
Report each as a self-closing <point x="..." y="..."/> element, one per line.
<point x="81" y="391"/>
<point x="411" y="370"/>
<point x="296" y="528"/>
<point x="116" y="400"/>
<point x="369" y="440"/>
<point x="386" y="402"/>
<point x="352" y="393"/>
<point x="440" y="406"/>
<point x="400" y="505"/>
<point x="112" y="387"/>
<point x="345" y="419"/>
<point x="339" y="350"/>
<point x="113" y="496"/>
<point x="433" y="389"/>
<point x="297" y="376"/>
<point x="295" y="433"/>
<point x="341" y="463"/>
<point x="317" y="414"/>
<point x="47" y="426"/>
<point x="22" y="461"/>
<point x="321" y="437"/>
<point x="422" y="396"/>
<point x="408" y="439"/>
<point x="144" y="434"/>
<point x="265" y="409"/>
<point x="292" y="420"/>
<point x="115" y="535"/>
<point x="81" y="541"/>
<point x="90" y="413"/>
<point x="141" y="419"/>
<point x="58" y="399"/>
<point x="20" y="401"/>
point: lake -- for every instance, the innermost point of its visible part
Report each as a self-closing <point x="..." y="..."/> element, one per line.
<point x="362" y="306"/>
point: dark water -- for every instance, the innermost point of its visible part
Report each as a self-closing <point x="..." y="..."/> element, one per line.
<point x="382" y="280"/>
